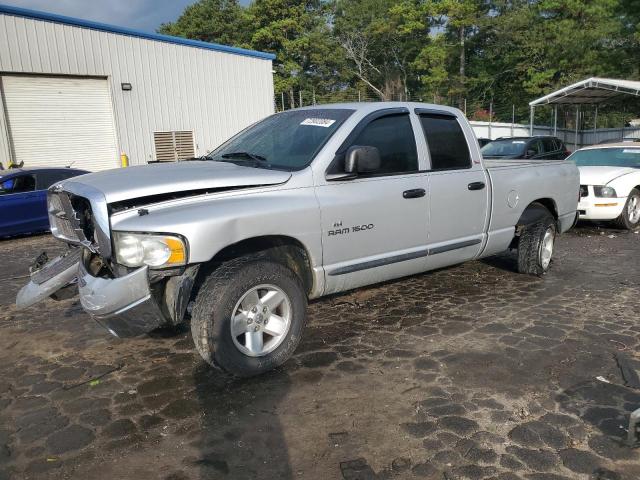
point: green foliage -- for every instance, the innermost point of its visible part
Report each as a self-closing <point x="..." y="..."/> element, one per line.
<point x="217" y="21"/>
<point x="447" y="50"/>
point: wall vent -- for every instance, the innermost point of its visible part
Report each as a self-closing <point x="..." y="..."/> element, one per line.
<point x="173" y="146"/>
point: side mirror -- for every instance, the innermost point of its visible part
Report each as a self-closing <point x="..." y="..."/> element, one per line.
<point x="359" y="159"/>
<point x="530" y="153"/>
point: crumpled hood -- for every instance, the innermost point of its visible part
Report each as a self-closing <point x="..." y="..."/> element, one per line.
<point x="156" y="179"/>
<point x="602" y="175"/>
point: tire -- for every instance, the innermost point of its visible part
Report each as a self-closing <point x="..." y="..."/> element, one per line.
<point x="219" y="299"/>
<point x="630" y="216"/>
<point x="534" y="256"/>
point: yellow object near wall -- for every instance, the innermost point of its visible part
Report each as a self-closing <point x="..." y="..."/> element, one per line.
<point x="124" y="160"/>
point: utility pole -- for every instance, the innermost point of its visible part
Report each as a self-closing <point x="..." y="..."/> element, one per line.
<point x="513" y="117"/>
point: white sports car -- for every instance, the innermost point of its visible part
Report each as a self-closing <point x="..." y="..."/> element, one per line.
<point x="610" y="183"/>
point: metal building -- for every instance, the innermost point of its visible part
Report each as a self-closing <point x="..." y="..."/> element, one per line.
<point x="79" y="92"/>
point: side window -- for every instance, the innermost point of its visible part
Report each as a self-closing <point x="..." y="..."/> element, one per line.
<point x="549" y="145"/>
<point x="21" y="184"/>
<point x="447" y="144"/>
<point x="536" y="146"/>
<point x="393" y="137"/>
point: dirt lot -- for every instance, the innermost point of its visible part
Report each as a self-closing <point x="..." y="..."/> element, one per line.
<point x="472" y="372"/>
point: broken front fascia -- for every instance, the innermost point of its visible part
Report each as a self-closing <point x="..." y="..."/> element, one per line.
<point x="126" y="306"/>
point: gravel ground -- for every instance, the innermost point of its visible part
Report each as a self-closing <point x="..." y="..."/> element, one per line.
<point x="470" y="372"/>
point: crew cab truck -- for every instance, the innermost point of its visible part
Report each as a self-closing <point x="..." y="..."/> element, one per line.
<point x="302" y="204"/>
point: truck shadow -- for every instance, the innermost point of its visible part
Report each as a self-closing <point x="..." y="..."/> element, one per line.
<point x="241" y="436"/>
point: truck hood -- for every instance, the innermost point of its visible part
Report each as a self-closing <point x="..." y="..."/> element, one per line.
<point x="602" y="175"/>
<point x="149" y="180"/>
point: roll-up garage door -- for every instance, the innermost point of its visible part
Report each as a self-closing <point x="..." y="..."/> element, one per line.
<point x="60" y="121"/>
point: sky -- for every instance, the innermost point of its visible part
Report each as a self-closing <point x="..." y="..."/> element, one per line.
<point x="145" y="15"/>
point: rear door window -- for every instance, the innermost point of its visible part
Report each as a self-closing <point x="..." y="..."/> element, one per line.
<point x="46" y="179"/>
<point x="448" y="147"/>
<point x="549" y="145"/>
<point x="536" y="146"/>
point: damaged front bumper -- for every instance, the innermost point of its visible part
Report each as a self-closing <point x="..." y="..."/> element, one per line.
<point x="123" y="305"/>
<point x="126" y="306"/>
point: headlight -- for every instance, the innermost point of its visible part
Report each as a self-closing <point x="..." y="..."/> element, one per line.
<point x="604" y="192"/>
<point x="156" y="251"/>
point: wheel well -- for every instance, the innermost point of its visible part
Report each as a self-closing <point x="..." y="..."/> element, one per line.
<point x="283" y="249"/>
<point x="534" y="211"/>
<point x="548" y="203"/>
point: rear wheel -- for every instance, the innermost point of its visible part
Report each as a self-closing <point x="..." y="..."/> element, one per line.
<point x="249" y="316"/>
<point x="630" y="216"/>
<point x="535" y="248"/>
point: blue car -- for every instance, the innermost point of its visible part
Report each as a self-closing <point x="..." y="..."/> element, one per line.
<point x="23" y="198"/>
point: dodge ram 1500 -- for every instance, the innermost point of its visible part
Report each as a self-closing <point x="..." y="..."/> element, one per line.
<point x="304" y="203"/>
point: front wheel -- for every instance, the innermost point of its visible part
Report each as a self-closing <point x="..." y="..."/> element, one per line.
<point x="630" y="216"/>
<point x="249" y="316"/>
<point x="535" y="248"/>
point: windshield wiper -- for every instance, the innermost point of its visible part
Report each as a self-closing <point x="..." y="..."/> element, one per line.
<point x="247" y="155"/>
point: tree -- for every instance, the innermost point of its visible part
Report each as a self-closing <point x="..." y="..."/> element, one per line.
<point x="461" y="20"/>
<point x="379" y="47"/>
<point x="307" y="56"/>
<point x="448" y="50"/>
<point x="217" y="21"/>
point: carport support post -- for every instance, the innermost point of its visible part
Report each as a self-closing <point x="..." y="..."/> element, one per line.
<point x="595" y="126"/>
<point x="555" y="120"/>
<point x="575" y="138"/>
<point x="531" y="121"/>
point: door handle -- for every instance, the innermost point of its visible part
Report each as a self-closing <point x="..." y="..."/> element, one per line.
<point x="476" y="186"/>
<point x="415" y="193"/>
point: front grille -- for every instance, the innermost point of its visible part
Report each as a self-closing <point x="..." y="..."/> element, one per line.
<point x="56" y="266"/>
<point x="71" y="218"/>
<point x="584" y="191"/>
<point x="60" y="213"/>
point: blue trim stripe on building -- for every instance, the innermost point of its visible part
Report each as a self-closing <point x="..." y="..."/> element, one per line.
<point x="52" y="17"/>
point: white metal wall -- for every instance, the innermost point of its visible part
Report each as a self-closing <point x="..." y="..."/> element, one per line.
<point x="175" y="87"/>
<point x="495" y="130"/>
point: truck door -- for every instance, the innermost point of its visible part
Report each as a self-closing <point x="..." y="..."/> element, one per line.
<point x="458" y="189"/>
<point x="374" y="226"/>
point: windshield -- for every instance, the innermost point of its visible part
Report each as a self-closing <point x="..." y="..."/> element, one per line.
<point x="504" y="148"/>
<point x="287" y="140"/>
<point x="607" y="157"/>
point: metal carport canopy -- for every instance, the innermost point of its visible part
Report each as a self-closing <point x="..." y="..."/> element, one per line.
<point x="591" y="91"/>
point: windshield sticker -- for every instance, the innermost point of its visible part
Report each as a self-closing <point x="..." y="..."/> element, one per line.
<point x="318" y="122"/>
<point x="518" y="141"/>
<point x="629" y="150"/>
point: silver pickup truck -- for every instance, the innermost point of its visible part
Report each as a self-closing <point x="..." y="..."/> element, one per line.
<point x="302" y="204"/>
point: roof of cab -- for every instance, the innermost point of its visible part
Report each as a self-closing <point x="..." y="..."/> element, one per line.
<point x="368" y="107"/>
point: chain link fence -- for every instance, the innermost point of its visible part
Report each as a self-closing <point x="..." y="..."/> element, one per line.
<point x="492" y="119"/>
